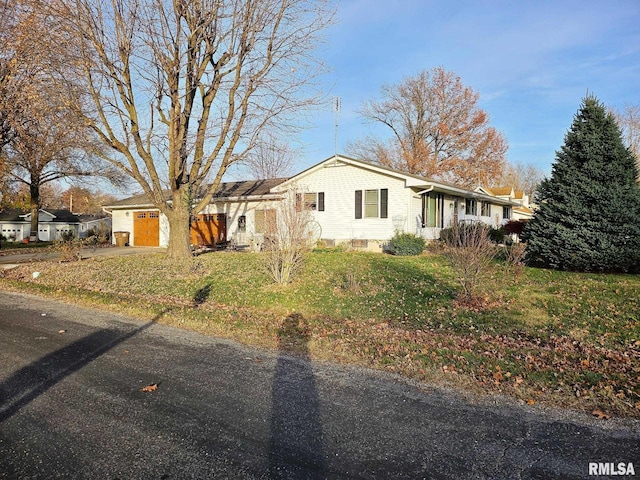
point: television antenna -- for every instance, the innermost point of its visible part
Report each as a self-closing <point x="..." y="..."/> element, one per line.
<point x="337" y="106"/>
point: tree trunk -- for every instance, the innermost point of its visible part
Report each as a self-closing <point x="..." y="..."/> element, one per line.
<point x="34" y="191"/>
<point x="179" y="226"/>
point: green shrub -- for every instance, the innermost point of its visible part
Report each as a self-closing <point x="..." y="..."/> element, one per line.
<point x="405" y="244"/>
<point x="496" y="235"/>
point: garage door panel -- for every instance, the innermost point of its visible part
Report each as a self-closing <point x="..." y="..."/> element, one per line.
<point x="146" y="229"/>
<point x="208" y="229"/>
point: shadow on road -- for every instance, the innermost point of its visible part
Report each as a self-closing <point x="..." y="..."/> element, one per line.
<point x="30" y="382"/>
<point x="296" y="447"/>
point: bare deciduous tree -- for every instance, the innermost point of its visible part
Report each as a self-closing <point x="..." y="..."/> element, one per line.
<point x="182" y="89"/>
<point x="270" y="158"/>
<point x="17" y="196"/>
<point x="438" y="131"/>
<point x="10" y="80"/>
<point x="84" y="200"/>
<point x="521" y="177"/>
<point x="44" y="140"/>
<point x="629" y="122"/>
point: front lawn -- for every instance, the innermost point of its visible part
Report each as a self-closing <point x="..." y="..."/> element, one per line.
<point x="550" y="337"/>
<point x="8" y="248"/>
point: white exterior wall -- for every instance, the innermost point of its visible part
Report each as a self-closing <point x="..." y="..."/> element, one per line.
<point x="494" y="219"/>
<point x="339" y="184"/>
<point x="496" y="216"/>
<point x="415" y="221"/>
<point x="164" y="231"/>
<point x="121" y="222"/>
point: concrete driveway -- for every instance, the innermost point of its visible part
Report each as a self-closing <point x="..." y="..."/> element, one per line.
<point x="13" y="259"/>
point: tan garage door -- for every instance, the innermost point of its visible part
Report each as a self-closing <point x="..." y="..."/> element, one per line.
<point x="146" y="229"/>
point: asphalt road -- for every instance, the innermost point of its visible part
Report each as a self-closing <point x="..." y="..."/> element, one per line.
<point x="71" y="406"/>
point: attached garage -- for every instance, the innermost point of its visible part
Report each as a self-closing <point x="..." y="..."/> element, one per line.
<point x="228" y="217"/>
<point x="146" y="229"/>
<point x="208" y="229"/>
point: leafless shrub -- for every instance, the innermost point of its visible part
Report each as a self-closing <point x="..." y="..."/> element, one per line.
<point x="69" y="249"/>
<point x="470" y="252"/>
<point x="289" y="237"/>
<point x="514" y="259"/>
<point x="350" y="283"/>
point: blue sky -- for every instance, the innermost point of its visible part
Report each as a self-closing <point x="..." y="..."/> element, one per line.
<point x="532" y="62"/>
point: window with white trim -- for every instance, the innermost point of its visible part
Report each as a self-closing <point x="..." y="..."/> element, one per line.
<point x="372" y="203"/>
<point x="485" y="209"/>
<point x="470" y="207"/>
<point x="311" y="201"/>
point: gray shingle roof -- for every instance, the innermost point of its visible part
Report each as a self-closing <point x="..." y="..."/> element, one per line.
<point x="15" y="215"/>
<point x="246" y="188"/>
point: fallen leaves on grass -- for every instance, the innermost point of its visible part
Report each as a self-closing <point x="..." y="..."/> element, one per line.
<point x="601" y="415"/>
<point x="516" y="363"/>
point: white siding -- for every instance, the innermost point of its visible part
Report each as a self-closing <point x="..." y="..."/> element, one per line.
<point x="339" y="184"/>
<point x="164" y="231"/>
<point x="416" y="217"/>
<point x="122" y="221"/>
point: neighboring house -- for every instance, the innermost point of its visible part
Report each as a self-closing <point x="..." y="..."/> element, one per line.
<point x="524" y="209"/>
<point x="237" y="212"/>
<point x="93" y="223"/>
<point x="15" y="225"/>
<point x="352" y="201"/>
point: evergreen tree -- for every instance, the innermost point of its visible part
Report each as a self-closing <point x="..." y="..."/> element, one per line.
<point x="589" y="209"/>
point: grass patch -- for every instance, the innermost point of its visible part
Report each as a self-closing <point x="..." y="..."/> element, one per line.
<point x="561" y="338"/>
<point x="7" y="248"/>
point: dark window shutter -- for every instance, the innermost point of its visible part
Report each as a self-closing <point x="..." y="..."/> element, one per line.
<point x="321" y="201"/>
<point x="298" y="202"/>
<point x="384" y="203"/>
<point x="358" y="203"/>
